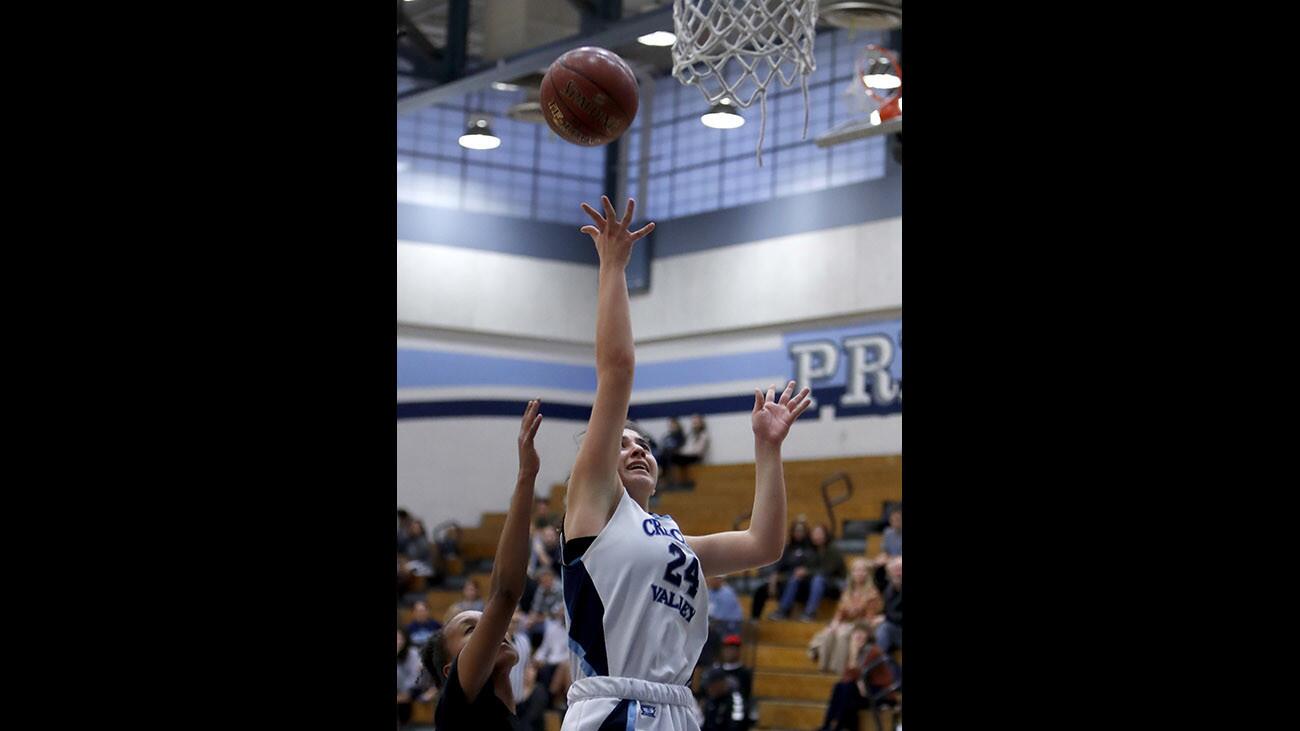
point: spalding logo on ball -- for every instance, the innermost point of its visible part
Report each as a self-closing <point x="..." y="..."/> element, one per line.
<point x="589" y="96"/>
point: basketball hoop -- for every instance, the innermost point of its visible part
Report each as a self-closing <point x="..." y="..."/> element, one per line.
<point x="732" y="49"/>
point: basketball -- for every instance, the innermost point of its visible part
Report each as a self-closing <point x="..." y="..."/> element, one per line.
<point x="589" y="96"/>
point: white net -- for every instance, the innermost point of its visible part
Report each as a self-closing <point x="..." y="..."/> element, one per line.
<point x="733" y="49"/>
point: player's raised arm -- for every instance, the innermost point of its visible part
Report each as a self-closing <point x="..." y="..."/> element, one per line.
<point x="594" y="484"/>
<point x="761" y="544"/>
<point x="479" y="656"/>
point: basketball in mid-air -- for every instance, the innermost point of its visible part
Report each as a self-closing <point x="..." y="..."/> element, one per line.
<point x="589" y="96"/>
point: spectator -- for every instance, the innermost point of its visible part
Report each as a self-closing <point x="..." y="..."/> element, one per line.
<point x="723" y="707"/>
<point x="821" y="569"/>
<point x="724" y="606"/>
<point x="694" y="450"/>
<point x="894" y="534"/>
<point x="731" y="665"/>
<point x="519" y="638"/>
<point x="889" y="629"/>
<point x="725" y="617"/>
<point x="408" y="676"/>
<point x="471" y="600"/>
<point x="403" y="529"/>
<point x="860" y="603"/>
<point x="405" y="580"/>
<point x="419" y="551"/>
<point x="543" y="515"/>
<point x="673" y="441"/>
<point x="552" y="658"/>
<point x="796" y="550"/>
<point x="449" y="542"/>
<point x="422" y="626"/>
<point x="546" y="550"/>
<point x="548" y="597"/>
<point x="866" y="676"/>
<point x="532" y="709"/>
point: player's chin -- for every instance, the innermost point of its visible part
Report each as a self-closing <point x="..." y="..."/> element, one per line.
<point x="507" y="655"/>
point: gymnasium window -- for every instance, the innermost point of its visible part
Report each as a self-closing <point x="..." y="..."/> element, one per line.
<point x="691" y="168"/>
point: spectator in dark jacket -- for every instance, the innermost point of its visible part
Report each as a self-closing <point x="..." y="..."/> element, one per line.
<point x="889" y="631"/>
<point x="796" y="550"/>
<point x="723" y="706"/>
<point x="422" y="626"/>
<point x="820" y="574"/>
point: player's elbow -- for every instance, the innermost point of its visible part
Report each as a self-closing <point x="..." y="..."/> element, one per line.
<point x="619" y="364"/>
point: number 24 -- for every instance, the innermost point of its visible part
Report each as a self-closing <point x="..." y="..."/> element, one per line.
<point x="692" y="571"/>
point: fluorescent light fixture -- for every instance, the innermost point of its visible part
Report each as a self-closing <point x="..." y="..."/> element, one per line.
<point x="875" y="116"/>
<point x="503" y="86"/>
<point x="722" y="116"/>
<point x="478" y="136"/>
<point x="658" y="38"/>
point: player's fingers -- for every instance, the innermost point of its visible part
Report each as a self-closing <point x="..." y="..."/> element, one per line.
<point x="600" y="221"/>
<point x="627" y="215"/>
<point x="643" y="230"/>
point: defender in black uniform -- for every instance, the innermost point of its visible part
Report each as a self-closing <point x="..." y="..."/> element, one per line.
<point x="470" y="658"/>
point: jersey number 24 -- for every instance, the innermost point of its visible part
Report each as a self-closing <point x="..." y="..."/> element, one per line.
<point x="692" y="572"/>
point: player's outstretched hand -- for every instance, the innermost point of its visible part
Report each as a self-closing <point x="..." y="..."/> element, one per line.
<point x="613" y="240"/>
<point x="772" y="417"/>
<point x="529" y="462"/>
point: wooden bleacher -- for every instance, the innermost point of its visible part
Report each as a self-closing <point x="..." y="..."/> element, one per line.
<point x="791" y="693"/>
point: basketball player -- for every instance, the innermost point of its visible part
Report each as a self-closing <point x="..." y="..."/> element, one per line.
<point x="470" y="658"/>
<point x="633" y="584"/>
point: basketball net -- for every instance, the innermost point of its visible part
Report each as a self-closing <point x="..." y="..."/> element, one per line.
<point x="750" y="41"/>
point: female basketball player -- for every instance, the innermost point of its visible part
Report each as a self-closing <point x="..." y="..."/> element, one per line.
<point x="471" y="657"/>
<point x="638" y="615"/>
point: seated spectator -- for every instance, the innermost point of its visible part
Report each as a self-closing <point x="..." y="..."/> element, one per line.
<point x="674" y="440"/>
<point x="894" y="534"/>
<point x="796" y="550"/>
<point x="403" y="529"/>
<point x="546" y="551"/>
<point x="889" y="629"/>
<point x="543" y="515"/>
<point x="866" y="679"/>
<point x="536" y="700"/>
<point x="552" y="658"/>
<point x="420" y="552"/>
<point x="861" y="602"/>
<point x="519" y="638"/>
<point x="693" y="451"/>
<point x="408" y="676"/>
<point x="730" y="664"/>
<point x="405" y="579"/>
<point x="725" y="617"/>
<point x="422" y="626"/>
<point x="471" y="600"/>
<point x="819" y="575"/>
<point x="548" y="597"/>
<point x="449" y="542"/>
<point x="722" y="706"/>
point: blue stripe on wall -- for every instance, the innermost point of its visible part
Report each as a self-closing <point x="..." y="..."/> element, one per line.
<point x="658" y="410"/>
<point x="420" y="368"/>
<point x="427" y="368"/>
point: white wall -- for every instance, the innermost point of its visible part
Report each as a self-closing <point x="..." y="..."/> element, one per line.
<point x="732" y="299"/>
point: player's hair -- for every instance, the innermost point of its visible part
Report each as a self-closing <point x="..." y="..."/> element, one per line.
<point x="629" y="424"/>
<point x="434" y="655"/>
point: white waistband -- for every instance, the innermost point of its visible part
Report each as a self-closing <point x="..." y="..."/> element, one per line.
<point x="642" y="690"/>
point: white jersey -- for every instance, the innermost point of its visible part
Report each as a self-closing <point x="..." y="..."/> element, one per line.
<point x="635" y="601"/>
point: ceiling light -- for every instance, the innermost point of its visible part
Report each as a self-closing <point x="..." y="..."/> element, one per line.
<point x="478" y="136"/>
<point x="722" y="116"/>
<point x="658" y="38"/>
<point x="881" y="81"/>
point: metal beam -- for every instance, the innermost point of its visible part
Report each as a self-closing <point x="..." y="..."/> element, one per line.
<point x="612" y="36"/>
<point x="457" y="40"/>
